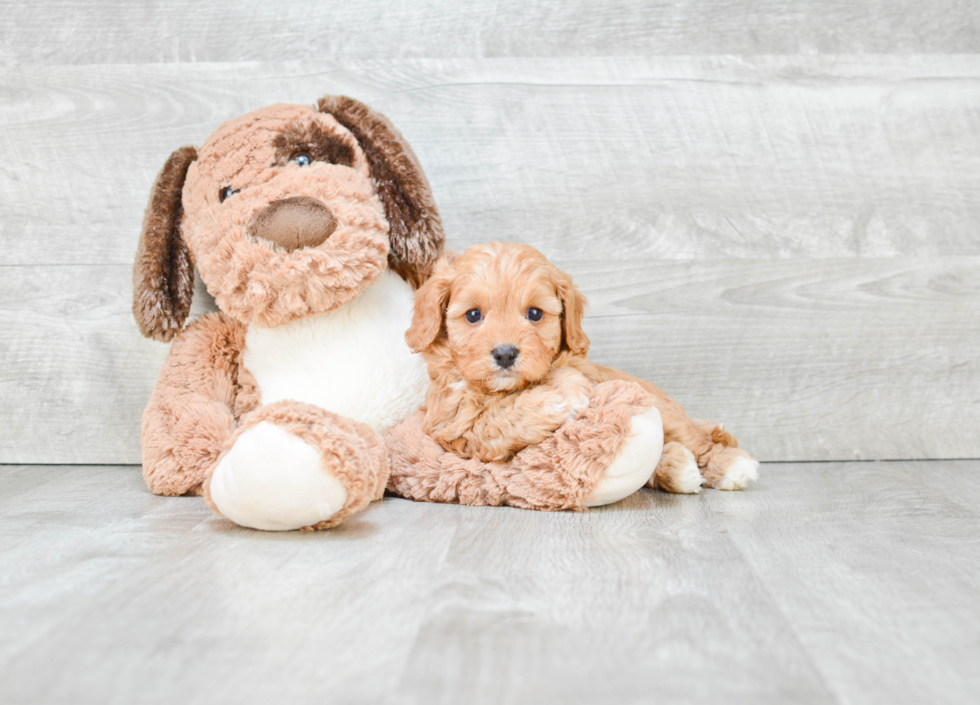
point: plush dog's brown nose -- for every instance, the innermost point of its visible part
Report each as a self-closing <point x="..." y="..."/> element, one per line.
<point x="294" y="223"/>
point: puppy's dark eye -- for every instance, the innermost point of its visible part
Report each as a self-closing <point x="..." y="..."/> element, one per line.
<point x="474" y="315"/>
<point x="303" y="159"/>
<point x="226" y="192"/>
<point x="534" y="314"/>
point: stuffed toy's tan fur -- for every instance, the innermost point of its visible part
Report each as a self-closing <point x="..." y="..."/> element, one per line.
<point x="195" y="406"/>
<point x="293" y="215"/>
<point x="255" y="279"/>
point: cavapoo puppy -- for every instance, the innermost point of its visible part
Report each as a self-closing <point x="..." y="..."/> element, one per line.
<point x="501" y="330"/>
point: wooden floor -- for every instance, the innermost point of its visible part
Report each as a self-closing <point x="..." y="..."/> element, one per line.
<point x="823" y="583"/>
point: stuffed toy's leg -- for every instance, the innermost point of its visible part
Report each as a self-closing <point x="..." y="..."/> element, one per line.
<point x="191" y="412"/>
<point x="282" y="466"/>
<point x="292" y="465"/>
<point x="606" y="453"/>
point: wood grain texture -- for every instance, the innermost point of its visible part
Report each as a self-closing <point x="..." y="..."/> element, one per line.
<point x="75" y="373"/>
<point x="785" y="243"/>
<point x="815" y="359"/>
<point x="859" y="555"/>
<point x="839" y="583"/>
<point x="676" y="158"/>
<point x="180" y="31"/>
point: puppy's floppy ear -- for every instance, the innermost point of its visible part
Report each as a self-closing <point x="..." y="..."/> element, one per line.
<point x="573" y="302"/>
<point x="163" y="276"/>
<point x="430" y="305"/>
<point x="415" y="228"/>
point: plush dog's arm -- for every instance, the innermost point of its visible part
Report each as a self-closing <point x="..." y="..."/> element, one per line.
<point x="194" y="406"/>
<point x="562" y="472"/>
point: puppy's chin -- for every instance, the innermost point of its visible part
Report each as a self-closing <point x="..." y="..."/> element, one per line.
<point x="511" y="380"/>
<point x="503" y="382"/>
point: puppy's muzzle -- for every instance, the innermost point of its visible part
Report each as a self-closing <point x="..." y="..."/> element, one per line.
<point x="294" y="223"/>
<point x="504" y="356"/>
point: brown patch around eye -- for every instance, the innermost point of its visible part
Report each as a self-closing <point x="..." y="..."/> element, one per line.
<point x="313" y="139"/>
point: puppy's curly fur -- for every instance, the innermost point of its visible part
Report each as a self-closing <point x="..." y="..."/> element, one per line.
<point x="500" y="328"/>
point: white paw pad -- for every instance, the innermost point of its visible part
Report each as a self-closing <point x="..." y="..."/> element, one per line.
<point x="275" y="481"/>
<point x="635" y="463"/>
<point x="739" y="474"/>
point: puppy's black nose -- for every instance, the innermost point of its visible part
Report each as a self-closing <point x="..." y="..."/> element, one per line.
<point x="504" y="355"/>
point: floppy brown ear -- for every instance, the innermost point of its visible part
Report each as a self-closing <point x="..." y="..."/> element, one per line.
<point x="431" y="300"/>
<point x="163" y="276"/>
<point x="415" y="228"/>
<point x="573" y="337"/>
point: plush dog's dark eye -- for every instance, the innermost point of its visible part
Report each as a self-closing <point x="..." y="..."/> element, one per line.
<point x="473" y="315"/>
<point x="226" y="192"/>
<point x="534" y="314"/>
<point x="303" y="159"/>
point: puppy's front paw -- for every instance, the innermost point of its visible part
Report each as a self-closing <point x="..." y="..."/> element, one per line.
<point x="574" y="388"/>
<point x="576" y="404"/>
<point x="565" y="406"/>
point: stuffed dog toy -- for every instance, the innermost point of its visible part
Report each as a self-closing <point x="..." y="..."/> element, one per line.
<point x="500" y="328"/>
<point x="311" y="227"/>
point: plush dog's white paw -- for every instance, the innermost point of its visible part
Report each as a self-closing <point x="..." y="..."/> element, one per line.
<point x="273" y="480"/>
<point x="635" y="463"/>
<point x="739" y="474"/>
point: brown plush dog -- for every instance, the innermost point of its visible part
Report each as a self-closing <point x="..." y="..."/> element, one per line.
<point x="310" y="226"/>
<point x="501" y="330"/>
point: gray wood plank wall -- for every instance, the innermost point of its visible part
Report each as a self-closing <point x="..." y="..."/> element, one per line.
<point x="772" y="205"/>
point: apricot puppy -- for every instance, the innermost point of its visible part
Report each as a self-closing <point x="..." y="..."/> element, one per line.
<point x="500" y="328"/>
<point x="498" y="382"/>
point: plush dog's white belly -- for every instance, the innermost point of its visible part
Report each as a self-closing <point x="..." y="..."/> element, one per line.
<point x="353" y="361"/>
